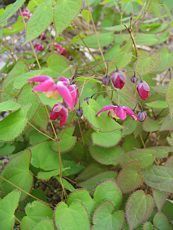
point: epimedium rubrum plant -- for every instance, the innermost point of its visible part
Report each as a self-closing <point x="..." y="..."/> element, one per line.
<point x="86" y="115"/>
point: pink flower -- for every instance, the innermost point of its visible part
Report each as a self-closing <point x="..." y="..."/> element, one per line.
<point x="38" y="47"/>
<point x="25" y="13"/>
<point x="67" y="91"/>
<point x="61" y="50"/>
<point x="118" y="111"/>
<point x="143" y="90"/>
<point x="118" y="79"/>
<point x="59" y="112"/>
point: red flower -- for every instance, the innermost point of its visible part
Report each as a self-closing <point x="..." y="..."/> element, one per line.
<point x="61" y="50"/>
<point x="59" y="112"/>
<point x="143" y="90"/>
<point x="118" y="79"/>
<point x="25" y="13"/>
<point x="67" y="91"/>
<point x="38" y="47"/>
<point x="118" y="111"/>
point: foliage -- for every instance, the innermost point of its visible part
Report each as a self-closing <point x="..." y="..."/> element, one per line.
<point x="91" y="150"/>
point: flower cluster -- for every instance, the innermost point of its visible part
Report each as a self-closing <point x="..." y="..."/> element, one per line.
<point x="62" y="87"/>
<point x="118" y="79"/>
<point x="26" y="14"/>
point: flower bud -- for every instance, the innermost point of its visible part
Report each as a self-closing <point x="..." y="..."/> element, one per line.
<point x="106" y="80"/>
<point x="79" y="112"/>
<point x="118" y="79"/>
<point x="134" y="79"/>
<point x="143" y="90"/>
<point x="142" y="116"/>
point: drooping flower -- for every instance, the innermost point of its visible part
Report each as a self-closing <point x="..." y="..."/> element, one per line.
<point x="142" y="116"/>
<point x="26" y="14"/>
<point x="61" y="50"/>
<point x="134" y="79"/>
<point x="143" y="90"/>
<point x="67" y="91"/>
<point x="117" y="111"/>
<point x="38" y="47"/>
<point x="59" y="112"/>
<point x="118" y="79"/>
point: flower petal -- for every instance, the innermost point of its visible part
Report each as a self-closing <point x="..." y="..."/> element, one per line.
<point x="65" y="94"/>
<point x="46" y="86"/>
<point x="59" y="111"/>
<point x="130" y="112"/>
<point x="106" y="108"/>
<point x="40" y="78"/>
<point x="120" y="112"/>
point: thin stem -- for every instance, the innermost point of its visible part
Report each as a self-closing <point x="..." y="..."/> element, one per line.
<point x="17" y="220"/>
<point x="32" y="47"/>
<point x="46" y="135"/>
<point x="60" y="171"/>
<point x="80" y="129"/>
<point x="133" y="40"/>
<point x="22" y="190"/>
<point x="98" y="42"/>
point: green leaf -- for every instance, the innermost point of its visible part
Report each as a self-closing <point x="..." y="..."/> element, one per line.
<point x="43" y="225"/>
<point x="150" y="125"/>
<point x="59" y="64"/>
<point x="9" y="105"/>
<point x="101" y="139"/>
<point x="108" y="191"/>
<point x="150" y="39"/>
<point x="94" y="40"/>
<point x="143" y="157"/>
<point x="17" y="172"/>
<point x="106" y="156"/>
<point x="103" y="123"/>
<point x="148" y="226"/>
<point x="161" y="222"/>
<point x="35" y="212"/>
<point x="72" y="217"/>
<point x="157" y="104"/>
<point x="169" y="97"/>
<point x="159" y="177"/>
<point x="13" y="125"/>
<point x="64" y="12"/>
<point x="8" y="205"/>
<point x="44" y="157"/>
<point x="40" y="20"/>
<point x="104" y="217"/>
<point x="84" y="197"/>
<point x="134" y="213"/>
<point x="159" y="198"/>
<point x="91" y="183"/>
<point x="129" y="179"/>
<point x="10" y="10"/>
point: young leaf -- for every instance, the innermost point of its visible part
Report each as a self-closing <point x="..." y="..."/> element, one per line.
<point x="159" y="177"/>
<point x="84" y="197"/>
<point x="35" y="213"/>
<point x="105" y="217"/>
<point x="106" y="156"/>
<point x="40" y="20"/>
<point x="13" y="125"/>
<point x="159" y="198"/>
<point x="161" y="222"/>
<point x="129" y="179"/>
<point x="72" y="217"/>
<point x="65" y="11"/>
<point x="17" y="172"/>
<point x="101" y="139"/>
<point x="138" y="208"/>
<point x="8" y="206"/>
<point x="10" y="10"/>
<point x="108" y="191"/>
